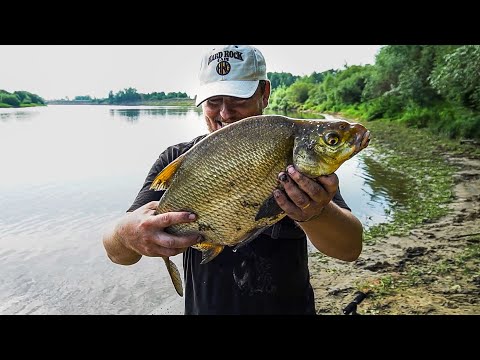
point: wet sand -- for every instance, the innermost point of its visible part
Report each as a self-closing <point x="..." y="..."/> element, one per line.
<point x="435" y="269"/>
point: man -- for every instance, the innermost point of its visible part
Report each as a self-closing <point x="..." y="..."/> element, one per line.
<point x="270" y="274"/>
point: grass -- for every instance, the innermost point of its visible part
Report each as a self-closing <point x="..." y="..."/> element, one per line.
<point x="418" y="156"/>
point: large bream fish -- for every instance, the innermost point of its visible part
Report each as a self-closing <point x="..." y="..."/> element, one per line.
<point x="227" y="179"/>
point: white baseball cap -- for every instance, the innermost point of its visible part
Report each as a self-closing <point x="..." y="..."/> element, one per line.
<point x="230" y="70"/>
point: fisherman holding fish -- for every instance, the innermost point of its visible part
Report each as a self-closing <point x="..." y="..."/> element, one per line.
<point x="268" y="273"/>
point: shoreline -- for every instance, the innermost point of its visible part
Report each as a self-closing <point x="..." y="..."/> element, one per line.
<point x="434" y="269"/>
<point x="171" y="102"/>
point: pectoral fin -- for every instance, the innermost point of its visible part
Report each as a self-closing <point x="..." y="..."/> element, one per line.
<point x="164" y="178"/>
<point x="209" y="251"/>
<point x="269" y="209"/>
<point x="249" y="237"/>
<point x="174" y="275"/>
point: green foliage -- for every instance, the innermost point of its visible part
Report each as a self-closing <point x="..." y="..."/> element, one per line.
<point x="10" y="99"/>
<point x="458" y="77"/>
<point x="128" y="96"/>
<point x="387" y="106"/>
<point x="83" y="98"/>
<point x="297" y="93"/>
<point x="419" y="117"/>
<point x="452" y="121"/>
<point x="423" y="86"/>
<point x="131" y="96"/>
<point x="316" y="78"/>
<point x="350" y="84"/>
<point x="19" y="99"/>
<point x="279" y="100"/>
<point x="281" y="79"/>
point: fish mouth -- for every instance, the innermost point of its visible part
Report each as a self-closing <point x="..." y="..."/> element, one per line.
<point x="365" y="140"/>
<point x="361" y="144"/>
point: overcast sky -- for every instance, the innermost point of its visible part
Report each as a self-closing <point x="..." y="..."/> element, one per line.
<point x="60" y="71"/>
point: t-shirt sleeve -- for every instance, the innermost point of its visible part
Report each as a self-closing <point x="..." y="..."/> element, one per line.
<point x="145" y="195"/>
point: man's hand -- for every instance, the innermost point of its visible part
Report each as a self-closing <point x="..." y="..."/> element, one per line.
<point x="304" y="199"/>
<point x="143" y="233"/>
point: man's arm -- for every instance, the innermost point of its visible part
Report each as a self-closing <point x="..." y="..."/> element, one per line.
<point x="141" y="232"/>
<point x="334" y="231"/>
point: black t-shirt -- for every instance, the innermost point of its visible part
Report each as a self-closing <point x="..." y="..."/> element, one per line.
<point x="269" y="275"/>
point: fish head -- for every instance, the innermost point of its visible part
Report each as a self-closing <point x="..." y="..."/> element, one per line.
<point x="321" y="146"/>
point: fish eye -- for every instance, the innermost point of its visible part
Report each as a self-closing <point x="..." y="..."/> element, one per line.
<point x="332" y="139"/>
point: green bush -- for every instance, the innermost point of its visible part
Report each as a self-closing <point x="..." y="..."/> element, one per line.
<point x="10" y="100"/>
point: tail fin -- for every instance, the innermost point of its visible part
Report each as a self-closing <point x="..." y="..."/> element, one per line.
<point x="174" y="275"/>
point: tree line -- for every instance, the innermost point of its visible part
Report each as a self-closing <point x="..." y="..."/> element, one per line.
<point x="425" y="86"/>
<point x="19" y="99"/>
<point x="132" y="96"/>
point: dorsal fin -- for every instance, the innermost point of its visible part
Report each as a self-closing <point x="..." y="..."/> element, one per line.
<point x="164" y="178"/>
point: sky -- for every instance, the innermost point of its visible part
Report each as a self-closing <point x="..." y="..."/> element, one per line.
<point x="66" y="71"/>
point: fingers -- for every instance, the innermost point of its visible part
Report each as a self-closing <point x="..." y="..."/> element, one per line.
<point x="304" y="198"/>
<point x="300" y="189"/>
<point x="163" y="244"/>
<point x="169" y="241"/>
<point x="146" y="234"/>
<point x="303" y="183"/>
<point x="285" y="203"/>
<point x="172" y="218"/>
<point x="303" y="190"/>
<point x="329" y="183"/>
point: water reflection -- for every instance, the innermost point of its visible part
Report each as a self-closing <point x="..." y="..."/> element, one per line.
<point x="134" y="114"/>
<point x="384" y="182"/>
<point x="17" y="115"/>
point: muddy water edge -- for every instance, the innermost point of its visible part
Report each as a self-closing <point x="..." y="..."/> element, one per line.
<point x="427" y="259"/>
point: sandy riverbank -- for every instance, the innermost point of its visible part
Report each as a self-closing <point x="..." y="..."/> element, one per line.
<point x="435" y="269"/>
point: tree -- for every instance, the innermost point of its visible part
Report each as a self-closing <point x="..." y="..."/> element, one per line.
<point x="457" y="77"/>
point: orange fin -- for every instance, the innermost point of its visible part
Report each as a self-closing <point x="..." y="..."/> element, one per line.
<point x="174" y="275"/>
<point x="163" y="180"/>
<point x="209" y="251"/>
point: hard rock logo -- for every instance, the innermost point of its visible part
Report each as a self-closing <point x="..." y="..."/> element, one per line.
<point x="223" y="68"/>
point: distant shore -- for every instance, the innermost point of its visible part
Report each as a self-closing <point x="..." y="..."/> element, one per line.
<point x="166" y="102"/>
<point x="8" y="106"/>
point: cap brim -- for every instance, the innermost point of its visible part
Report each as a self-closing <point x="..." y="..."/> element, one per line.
<point x="241" y="89"/>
